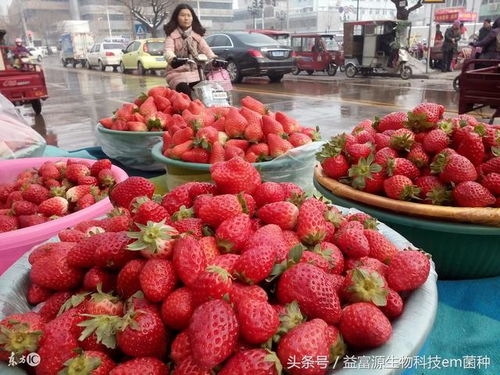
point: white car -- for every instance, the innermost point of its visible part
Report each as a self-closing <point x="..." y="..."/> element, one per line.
<point x="103" y="55"/>
<point x="36" y="54"/>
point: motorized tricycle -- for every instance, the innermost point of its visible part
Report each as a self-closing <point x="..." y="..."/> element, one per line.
<point x="316" y="52"/>
<point x="376" y="47"/>
<point x="21" y="81"/>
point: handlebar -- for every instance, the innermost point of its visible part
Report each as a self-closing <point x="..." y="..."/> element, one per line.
<point x="179" y="61"/>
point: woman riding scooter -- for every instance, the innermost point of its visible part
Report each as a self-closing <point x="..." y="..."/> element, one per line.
<point x="184" y="41"/>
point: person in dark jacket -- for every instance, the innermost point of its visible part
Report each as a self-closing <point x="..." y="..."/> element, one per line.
<point x="484" y="30"/>
<point x="450" y="44"/>
<point x="490" y="49"/>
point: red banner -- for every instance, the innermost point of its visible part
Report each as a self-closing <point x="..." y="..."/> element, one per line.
<point x="449" y="15"/>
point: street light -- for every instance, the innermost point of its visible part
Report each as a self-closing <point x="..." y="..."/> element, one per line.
<point x="109" y="22"/>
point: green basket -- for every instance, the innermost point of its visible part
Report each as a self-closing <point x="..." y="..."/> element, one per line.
<point x="460" y="251"/>
<point x="296" y="167"/>
<point x="132" y="149"/>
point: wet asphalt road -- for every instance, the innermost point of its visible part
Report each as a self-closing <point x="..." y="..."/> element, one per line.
<point x="78" y="98"/>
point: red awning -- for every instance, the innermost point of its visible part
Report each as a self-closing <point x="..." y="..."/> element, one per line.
<point x="449" y="15"/>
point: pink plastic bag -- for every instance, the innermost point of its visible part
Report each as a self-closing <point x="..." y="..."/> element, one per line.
<point x="221" y="76"/>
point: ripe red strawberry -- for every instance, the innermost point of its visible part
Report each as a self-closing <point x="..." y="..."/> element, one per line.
<point x="425" y="116"/>
<point x="492" y="183"/>
<point x="20" y="334"/>
<point x="366" y="175"/>
<point x="394" y="306"/>
<point x="235" y="176"/>
<point x="54" y="272"/>
<point x="53" y="304"/>
<point x="157" y="279"/>
<point x="8" y="223"/>
<point x="98" y="277"/>
<point x="291" y="189"/>
<point x="353" y="243"/>
<point x="391" y="121"/>
<point x="142" y="365"/>
<point x="188" y="366"/>
<point x="86" y="201"/>
<point x="235" y="124"/>
<point x="106" y="177"/>
<point x="435" y="141"/>
<point x="37" y="294"/>
<point x="382" y="140"/>
<point x="358" y="151"/>
<point x="196" y="155"/>
<point x="408" y="270"/>
<point x="335" y="167"/>
<point x="177" y="309"/>
<point x="213" y="333"/>
<point x="418" y="156"/>
<point x="258" y="320"/>
<point x="124" y="192"/>
<point x="182" y="136"/>
<point x="312" y="289"/>
<point x="363" y="325"/>
<point x="306" y="339"/>
<point x="101" y="303"/>
<point x="91" y="362"/>
<point x="380" y="247"/>
<point x="188" y="259"/>
<point x="253" y="361"/>
<point x="401" y="166"/>
<point x="242" y="291"/>
<point x="111" y="251"/>
<point x="145" y="210"/>
<point x="283" y="214"/>
<point x="402" y="139"/>
<point x="472" y="147"/>
<point x="277" y="145"/>
<point x="311" y="224"/>
<point x="212" y="283"/>
<point x="254" y="105"/>
<point x="74" y="171"/>
<point x="35" y="193"/>
<point x="219" y="208"/>
<point x="491" y="166"/>
<point x="367" y="263"/>
<point x="290" y="125"/>
<point x="100" y="165"/>
<point x="453" y="168"/>
<point x="400" y="187"/>
<point x="271" y="126"/>
<point x="384" y="154"/>
<point x="181" y="348"/>
<point x="255" y="264"/>
<point x="143" y="334"/>
<point x="127" y="281"/>
<point x="23" y="208"/>
<point x="268" y="192"/>
<point x="472" y="194"/>
<point x="432" y="190"/>
<point x="71" y="235"/>
<point x="233" y="233"/>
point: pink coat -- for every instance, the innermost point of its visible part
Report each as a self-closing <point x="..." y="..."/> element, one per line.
<point x="185" y="73"/>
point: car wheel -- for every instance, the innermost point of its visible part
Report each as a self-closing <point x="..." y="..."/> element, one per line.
<point x="101" y="66"/>
<point x="406" y="72"/>
<point x="275" y="77"/>
<point x="140" y="69"/>
<point x="87" y="64"/>
<point x="350" y="71"/>
<point x="37" y="106"/>
<point x="63" y="62"/>
<point x="122" y="67"/>
<point x="332" y="69"/>
<point x="39" y="58"/>
<point x="296" y="71"/>
<point x="75" y="63"/>
<point x="310" y="72"/>
<point x="234" y="72"/>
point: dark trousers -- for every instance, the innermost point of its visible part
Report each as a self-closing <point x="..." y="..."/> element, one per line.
<point x="447" y="57"/>
<point x="186" y="88"/>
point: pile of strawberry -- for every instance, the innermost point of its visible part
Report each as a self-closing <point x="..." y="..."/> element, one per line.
<point x="238" y="277"/>
<point x="197" y="134"/>
<point x="55" y="189"/>
<point x="420" y="156"/>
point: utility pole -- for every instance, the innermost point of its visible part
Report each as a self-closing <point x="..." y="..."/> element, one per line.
<point x="23" y="21"/>
<point x="109" y="22"/>
<point x="357" y="11"/>
<point x="287" y="15"/>
<point x="262" y="5"/>
<point x="475" y="21"/>
<point x="198" y="9"/>
<point x="431" y="16"/>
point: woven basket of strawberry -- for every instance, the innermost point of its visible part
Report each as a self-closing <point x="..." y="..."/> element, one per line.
<point x="234" y="277"/>
<point x="41" y="196"/>
<point x="422" y="168"/>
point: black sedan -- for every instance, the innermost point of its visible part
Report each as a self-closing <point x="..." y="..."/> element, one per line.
<point x="252" y="54"/>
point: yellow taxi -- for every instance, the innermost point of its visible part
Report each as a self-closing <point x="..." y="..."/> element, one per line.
<point x="143" y="55"/>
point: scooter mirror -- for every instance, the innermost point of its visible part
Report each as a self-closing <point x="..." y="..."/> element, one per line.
<point x="202" y="58"/>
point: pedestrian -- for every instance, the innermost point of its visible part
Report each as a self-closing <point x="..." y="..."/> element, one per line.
<point x="438" y="37"/>
<point x="450" y="45"/>
<point x="184" y="39"/>
<point x="483" y="31"/>
<point x="490" y="44"/>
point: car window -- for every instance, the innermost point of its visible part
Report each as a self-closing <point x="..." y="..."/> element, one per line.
<point x="154" y="48"/>
<point x="221" y="41"/>
<point x="210" y="39"/>
<point x="330" y="43"/>
<point x="256" y="39"/>
<point x="97" y="48"/>
<point x="297" y="44"/>
<point x="112" y="46"/>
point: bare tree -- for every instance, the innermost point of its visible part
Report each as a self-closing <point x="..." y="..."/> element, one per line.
<point x="150" y="13"/>
<point x="402" y="10"/>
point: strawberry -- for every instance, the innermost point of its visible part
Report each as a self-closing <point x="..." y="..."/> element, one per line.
<point x="492" y="183"/>
<point x="212" y="283"/>
<point x="402" y="139"/>
<point x="226" y="261"/>
<point x="181" y="348"/>
<point x="268" y="192"/>
<point x="335" y="167"/>
<point x="142" y="365"/>
<point x="219" y="208"/>
<point x="401" y="187"/>
<point x="20" y="334"/>
<point x="235" y="176"/>
<point x="144" y="210"/>
<point x="367" y="263"/>
<point x="106" y="178"/>
<point x="177" y="309"/>
<point x="311" y="224"/>
<point x="231" y="152"/>
<point x="123" y="192"/>
<point x="353" y="243"/>
<point x="418" y="156"/>
<point x="277" y="145"/>
<point x="289" y="124"/>
<point x="363" y="136"/>
<point x="394" y="306"/>
<point x="217" y="154"/>
<point x="111" y="251"/>
<point x="75" y="171"/>
<point x="101" y="303"/>
<point x="84" y="180"/>
<point x="8" y="223"/>
<point x="254" y="105"/>
<point x="242" y="291"/>
<point x="37" y="294"/>
<point x="333" y="255"/>
<point x="365" y="285"/>
<point x="209" y="246"/>
<point x="157" y="279"/>
<point x="82" y="253"/>
<point x="116" y="223"/>
<point x="53" y="304"/>
<point x="233" y="233"/>
<point x="196" y="155"/>
<point x="358" y="151"/>
<point x="252" y="361"/>
<point x="271" y="126"/>
<point x="188" y="259"/>
<point x="491" y="166"/>
<point x="408" y="270"/>
<point x="435" y="141"/>
<point x="453" y="168"/>
<point x="306" y="339"/>
<point x="380" y="247"/>
<point x="213" y="333"/>
<point x="432" y="190"/>
<point x="182" y="136"/>
<point x="188" y="366"/>
<point x="472" y="194"/>
<point x="424" y="116"/>
<point x="98" y="277"/>
<point x="49" y="171"/>
<point x="366" y="175"/>
<point x="240" y="143"/>
<point x="35" y="193"/>
<point x="363" y="325"/>
<point x="235" y="124"/>
<point x="311" y="288"/>
<point x="91" y="362"/>
<point x="100" y="165"/>
<point x="86" y="201"/>
<point x="382" y="140"/>
<point x="283" y="214"/>
<point x="401" y="166"/>
<point x="107" y="122"/>
<point x="258" y="320"/>
<point x="384" y="154"/>
<point x="128" y="279"/>
<point x="142" y="334"/>
<point x="472" y="147"/>
<point x="255" y="264"/>
<point x="391" y="121"/>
